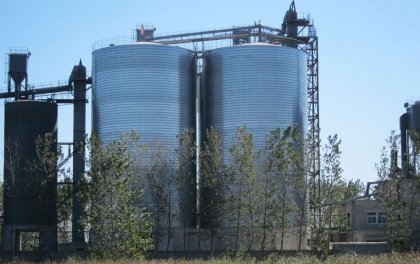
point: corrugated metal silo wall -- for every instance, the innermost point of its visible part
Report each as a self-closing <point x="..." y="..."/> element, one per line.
<point x="259" y="86"/>
<point x="148" y="88"/>
<point x="25" y="121"/>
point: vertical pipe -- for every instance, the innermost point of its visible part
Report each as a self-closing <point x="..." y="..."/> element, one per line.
<point x="198" y="139"/>
<point x="79" y="131"/>
<point x="9" y="79"/>
<point x="17" y="91"/>
<point x="404" y="127"/>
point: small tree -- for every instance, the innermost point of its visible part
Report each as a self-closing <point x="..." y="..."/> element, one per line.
<point x="12" y="169"/>
<point x="214" y="184"/>
<point x="299" y="205"/>
<point x="184" y="179"/>
<point x="389" y="194"/>
<point x="268" y="188"/>
<point x="353" y="189"/>
<point x="243" y="167"/>
<point x="119" y="227"/>
<point x="43" y="170"/>
<point x="330" y="194"/>
<point x="64" y="209"/>
<point x="284" y="185"/>
<point x="159" y="183"/>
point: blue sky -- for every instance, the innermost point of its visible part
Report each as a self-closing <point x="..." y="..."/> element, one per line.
<point x="369" y="55"/>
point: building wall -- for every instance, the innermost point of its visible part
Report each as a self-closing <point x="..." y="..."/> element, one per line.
<point x="360" y="230"/>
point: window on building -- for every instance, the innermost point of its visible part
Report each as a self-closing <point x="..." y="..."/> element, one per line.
<point x="376" y="218"/>
<point x="381" y="218"/>
<point x="372" y="218"/>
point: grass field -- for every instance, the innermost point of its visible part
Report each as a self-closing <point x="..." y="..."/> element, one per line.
<point x="391" y="259"/>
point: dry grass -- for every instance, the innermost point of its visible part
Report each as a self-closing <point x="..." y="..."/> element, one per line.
<point x="389" y="258"/>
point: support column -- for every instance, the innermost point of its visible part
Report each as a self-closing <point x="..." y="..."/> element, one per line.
<point x="78" y="77"/>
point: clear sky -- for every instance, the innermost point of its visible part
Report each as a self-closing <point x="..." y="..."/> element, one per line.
<point x="369" y="53"/>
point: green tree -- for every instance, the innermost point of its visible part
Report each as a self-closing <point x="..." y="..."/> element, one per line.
<point x="295" y="150"/>
<point x="411" y="194"/>
<point x="268" y="189"/>
<point x="353" y="189"/>
<point x="328" y="195"/>
<point x="64" y="210"/>
<point x="159" y="191"/>
<point x="119" y="226"/>
<point x="214" y="184"/>
<point x="389" y="194"/>
<point x="244" y="189"/>
<point x="42" y="184"/>
<point x="413" y="149"/>
<point x="284" y="185"/>
<point x="184" y="178"/>
<point x="12" y="170"/>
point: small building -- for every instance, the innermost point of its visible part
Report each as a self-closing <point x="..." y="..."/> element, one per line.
<point x="363" y="221"/>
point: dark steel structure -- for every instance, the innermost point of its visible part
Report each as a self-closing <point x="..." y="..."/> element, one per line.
<point x="75" y="91"/>
<point x="79" y="80"/>
<point x="409" y="121"/>
<point x="18" y="71"/>
<point x="29" y="197"/>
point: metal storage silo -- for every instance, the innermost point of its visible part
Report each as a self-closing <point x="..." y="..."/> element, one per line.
<point x="146" y="87"/>
<point x="259" y="86"/>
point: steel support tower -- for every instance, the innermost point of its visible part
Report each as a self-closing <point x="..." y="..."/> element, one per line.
<point x="75" y="91"/>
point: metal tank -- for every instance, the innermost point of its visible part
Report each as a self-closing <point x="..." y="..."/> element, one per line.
<point x="146" y="87"/>
<point x="259" y="86"/>
<point x="408" y="121"/>
<point x="149" y="88"/>
<point x="30" y="196"/>
<point x="25" y="121"/>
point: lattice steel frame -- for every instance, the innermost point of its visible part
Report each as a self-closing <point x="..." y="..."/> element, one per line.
<point x="313" y="144"/>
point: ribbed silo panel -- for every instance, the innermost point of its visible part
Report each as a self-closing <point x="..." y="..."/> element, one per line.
<point x="148" y="88"/>
<point x="258" y="86"/>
